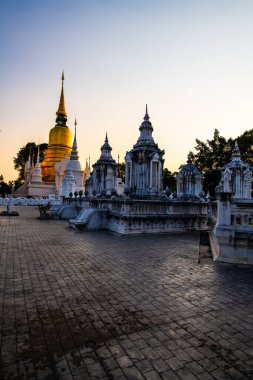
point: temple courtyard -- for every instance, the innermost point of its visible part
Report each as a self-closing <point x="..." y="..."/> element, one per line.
<point x="98" y="305"/>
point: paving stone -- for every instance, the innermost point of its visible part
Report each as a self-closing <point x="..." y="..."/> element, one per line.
<point x="169" y="375"/>
<point x="117" y="374"/>
<point x="110" y="363"/>
<point x="194" y="353"/>
<point x="152" y="375"/>
<point x="195" y="368"/>
<point x="160" y="365"/>
<point x="208" y="364"/>
<point x="174" y="363"/>
<point x="185" y="374"/>
<point x="117" y="351"/>
<point x="135" y="354"/>
<point x="124" y="361"/>
<point x="144" y="366"/>
<point x="132" y="373"/>
<point x="163" y="352"/>
<point x="96" y="371"/>
<point x="150" y="353"/>
<point x="62" y="367"/>
<point x="219" y="374"/>
<point x="182" y="356"/>
<point x="205" y="376"/>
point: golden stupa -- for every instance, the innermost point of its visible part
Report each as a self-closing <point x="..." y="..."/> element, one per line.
<point x="60" y="141"/>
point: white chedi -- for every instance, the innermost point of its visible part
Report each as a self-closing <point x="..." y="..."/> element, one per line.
<point x="236" y="177"/>
<point x="68" y="184"/>
<point x="189" y="181"/>
<point x="37" y="175"/>
<point x="73" y="172"/>
<point x="144" y="164"/>
<point x="103" y="179"/>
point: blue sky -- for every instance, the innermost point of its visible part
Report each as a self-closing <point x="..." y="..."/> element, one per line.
<point x="191" y="61"/>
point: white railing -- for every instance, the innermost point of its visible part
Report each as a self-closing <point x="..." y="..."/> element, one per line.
<point x="24" y="201"/>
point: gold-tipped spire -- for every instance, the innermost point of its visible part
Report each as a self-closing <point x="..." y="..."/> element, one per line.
<point x="61" y="108"/>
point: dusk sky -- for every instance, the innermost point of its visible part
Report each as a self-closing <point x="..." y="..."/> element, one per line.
<point x="190" y="61"/>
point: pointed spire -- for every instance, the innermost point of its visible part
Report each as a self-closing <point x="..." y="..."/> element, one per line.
<point x="36" y="177"/>
<point x="74" y="152"/>
<point x="118" y="167"/>
<point x="146" y="117"/>
<point x="106" y="148"/>
<point x="38" y="156"/>
<point x="28" y="162"/>
<point x="86" y="172"/>
<point x="146" y="130"/>
<point x="75" y="130"/>
<point x="236" y="154"/>
<point x="61" y="108"/>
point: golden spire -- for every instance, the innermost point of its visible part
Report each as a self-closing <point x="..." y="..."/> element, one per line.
<point x="61" y="108"/>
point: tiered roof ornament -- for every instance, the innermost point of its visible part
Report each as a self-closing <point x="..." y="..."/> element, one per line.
<point x="74" y="152"/>
<point x="144" y="164"/>
<point x="106" y="150"/>
<point x="189" y="181"/>
<point x="61" y="113"/>
<point x="236" y="177"/>
<point x="146" y="130"/>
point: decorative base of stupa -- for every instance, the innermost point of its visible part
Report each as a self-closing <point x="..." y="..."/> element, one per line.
<point x="141" y="216"/>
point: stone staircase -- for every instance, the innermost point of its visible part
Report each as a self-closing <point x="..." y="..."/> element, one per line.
<point x="82" y="219"/>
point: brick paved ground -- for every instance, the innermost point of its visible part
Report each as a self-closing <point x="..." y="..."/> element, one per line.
<point x="103" y="306"/>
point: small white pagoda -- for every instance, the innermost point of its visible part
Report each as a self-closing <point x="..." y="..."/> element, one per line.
<point x="144" y="164"/>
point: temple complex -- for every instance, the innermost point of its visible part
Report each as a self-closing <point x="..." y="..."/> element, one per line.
<point x="143" y="207"/>
<point x="99" y="199"/>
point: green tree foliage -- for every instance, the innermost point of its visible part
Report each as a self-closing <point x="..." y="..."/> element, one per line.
<point x="121" y="171"/>
<point x="5" y="188"/>
<point x="169" y="180"/>
<point x="23" y="155"/>
<point x="245" y="142"/>
<point x="213" y="154"/>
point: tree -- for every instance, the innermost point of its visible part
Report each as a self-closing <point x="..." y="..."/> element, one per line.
<point x="30" y="149"/>
<point x="5" y="188"/>
<point x="121" y="171"/>
<point x="213" y="154"/>
<point x="245" y="142"/>
<point x="169" y="180"/>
